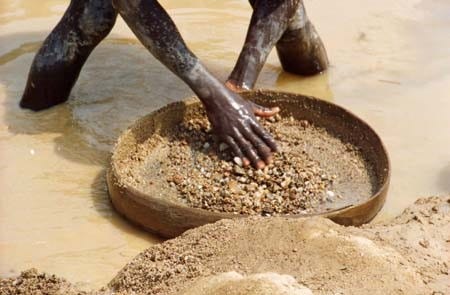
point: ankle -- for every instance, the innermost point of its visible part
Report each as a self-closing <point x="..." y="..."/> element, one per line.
<point x="235" y="87"/>
<point x="302" y="52"/>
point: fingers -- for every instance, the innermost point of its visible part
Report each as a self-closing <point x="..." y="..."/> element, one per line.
<point x="254" y="145"/>
<point x="264" y="112"/>
<point x="266" y="137"/>
<point x="263" y="150"/>
<point x="236" y="150"/>
<point x="247" y="149"/>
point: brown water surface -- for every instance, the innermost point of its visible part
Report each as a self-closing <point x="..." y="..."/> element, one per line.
<point x="390" y="65"/>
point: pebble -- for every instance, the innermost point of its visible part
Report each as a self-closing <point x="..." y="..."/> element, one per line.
<point x="238" y="170"/>
<point x="330" y="194"/>
<point x="238" y="161"/>
<point x="424" y="243"/>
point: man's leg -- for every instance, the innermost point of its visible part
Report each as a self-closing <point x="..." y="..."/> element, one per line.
<point x="283" y="23"/>
<point x="300" y="49"/>
<point x="58" y="62"/>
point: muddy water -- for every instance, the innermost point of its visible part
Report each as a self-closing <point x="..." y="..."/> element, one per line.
<point x="390" y="65"/>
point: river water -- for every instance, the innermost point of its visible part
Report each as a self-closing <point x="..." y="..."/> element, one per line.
<point x="390" y="64"/>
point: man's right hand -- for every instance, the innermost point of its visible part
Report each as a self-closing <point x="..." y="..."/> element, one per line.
<point x="234" y="122"/>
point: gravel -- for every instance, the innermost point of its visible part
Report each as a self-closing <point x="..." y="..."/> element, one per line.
<point x="208" y="176"/>
<point x="314" y="172"/>
<point x="33" y="282"/>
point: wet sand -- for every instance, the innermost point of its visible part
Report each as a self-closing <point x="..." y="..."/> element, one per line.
<point x="390" y="65"/>
<point x="407" y="255"/>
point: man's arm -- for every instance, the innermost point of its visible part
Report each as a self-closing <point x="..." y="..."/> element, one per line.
<point x="233" y="118"/>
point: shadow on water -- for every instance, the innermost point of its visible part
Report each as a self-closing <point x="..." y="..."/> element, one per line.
<point x="102" y="204"/>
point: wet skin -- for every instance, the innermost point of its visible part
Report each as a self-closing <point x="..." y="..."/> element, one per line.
<point x="277" y="22"/>
<point x="283" y="24"/>
<point x="58" y="62"/>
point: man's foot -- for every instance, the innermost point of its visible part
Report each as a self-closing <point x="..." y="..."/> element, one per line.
<point x="302" y="52"/>
<point x="58" y="62"/>
<point x="50" y="82"/>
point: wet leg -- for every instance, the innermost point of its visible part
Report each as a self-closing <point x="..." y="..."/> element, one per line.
<point x="282" y="23"/>
<point x="58" y="62"/>
<point x="269" y="21"/>
<point x="300" y="49"/>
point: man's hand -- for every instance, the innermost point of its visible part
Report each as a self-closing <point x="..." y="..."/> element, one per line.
<point x="234" y="122"/>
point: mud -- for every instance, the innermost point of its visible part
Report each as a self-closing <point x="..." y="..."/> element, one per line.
<point x="408" y="255"/>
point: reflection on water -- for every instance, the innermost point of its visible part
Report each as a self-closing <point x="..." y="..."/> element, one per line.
<point x="390" y="65"/>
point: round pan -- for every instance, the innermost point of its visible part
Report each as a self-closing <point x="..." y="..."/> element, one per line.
<point x="169" y="219"/>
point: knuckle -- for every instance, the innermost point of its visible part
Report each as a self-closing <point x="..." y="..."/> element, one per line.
<point x="267" y="137"/>
<point x="247" y="148"/>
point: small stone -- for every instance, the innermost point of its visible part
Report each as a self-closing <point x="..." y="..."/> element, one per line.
<point x="259" y="194"/>
<point x="330" y="194"/>
<point x="177" y="179"/>
<point x="206" y="145"/>
<point x="252" y="186"/>
<point x="304" y="123"/>
<point x="242" y="179"/>
<point x="276" y="187"/>
<point x="233" y="186"/>
<point x="424" y="243"/>
<point x="286" y="182"/>
<point x="238" y="170"/>
<point x="238" y="161"/>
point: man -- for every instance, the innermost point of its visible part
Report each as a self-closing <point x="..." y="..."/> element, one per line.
<point x="280" y="23"/>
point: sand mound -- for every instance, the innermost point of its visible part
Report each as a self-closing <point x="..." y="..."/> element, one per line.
<point x="408" y="255"/>
<point x="323" y="256"/>
<point x="255" y="284"/>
